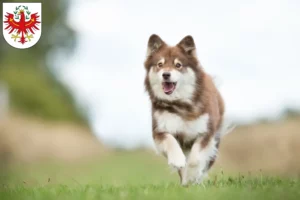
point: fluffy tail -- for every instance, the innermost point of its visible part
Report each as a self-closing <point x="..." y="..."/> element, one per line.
<point x="226" y="128"/>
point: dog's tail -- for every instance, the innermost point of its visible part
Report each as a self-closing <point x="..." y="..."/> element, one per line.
<point x="226" y="128"/>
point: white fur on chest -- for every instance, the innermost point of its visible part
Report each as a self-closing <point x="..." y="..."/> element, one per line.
<point x="173" y="124"/>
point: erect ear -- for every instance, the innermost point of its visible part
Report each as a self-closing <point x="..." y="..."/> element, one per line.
<point x="188" y="45"/>
<point x="154" y="44"/>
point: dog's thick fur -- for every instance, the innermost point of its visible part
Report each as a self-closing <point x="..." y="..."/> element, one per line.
<point x="186" y="116"/>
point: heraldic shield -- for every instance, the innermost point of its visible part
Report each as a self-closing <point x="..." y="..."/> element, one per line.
<point x="22" y="24"/>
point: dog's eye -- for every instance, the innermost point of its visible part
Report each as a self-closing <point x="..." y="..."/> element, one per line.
<point x="178" y="65"/>
<point x="160" y="65"/>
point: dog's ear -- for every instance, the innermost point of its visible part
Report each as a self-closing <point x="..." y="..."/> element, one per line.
<point x="154" y="44"/>
<point x="188" y="45"/>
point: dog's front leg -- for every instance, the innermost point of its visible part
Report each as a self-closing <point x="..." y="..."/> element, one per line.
<point x="169" y="147"/>
<point x="201" y="158"/>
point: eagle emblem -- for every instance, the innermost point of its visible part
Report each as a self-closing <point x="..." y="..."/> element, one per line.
<point x="22" y="24"/>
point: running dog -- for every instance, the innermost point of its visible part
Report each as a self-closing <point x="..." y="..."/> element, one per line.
<point x="187" y="108"/>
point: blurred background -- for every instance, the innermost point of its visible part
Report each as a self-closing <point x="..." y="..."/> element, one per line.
<point x="78" y="97"/>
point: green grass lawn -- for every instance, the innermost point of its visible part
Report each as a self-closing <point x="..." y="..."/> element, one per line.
<point x="135" y="175"/>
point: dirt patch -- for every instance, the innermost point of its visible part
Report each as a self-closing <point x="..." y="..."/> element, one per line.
<point x="25" y="139"/>
<point x="271" y="148"/>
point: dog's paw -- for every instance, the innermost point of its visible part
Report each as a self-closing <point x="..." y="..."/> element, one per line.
<point x="198" y="178"/>
<point x="177" y="160"/>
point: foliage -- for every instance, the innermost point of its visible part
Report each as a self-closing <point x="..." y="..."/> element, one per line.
<point x="291" y="113"/>
<point x="33" y="86"/>
<point x="56" y="34"/>
<point x="33" y="92"/>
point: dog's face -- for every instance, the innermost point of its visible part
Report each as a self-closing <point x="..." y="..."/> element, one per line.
<point x="172" y="72"/>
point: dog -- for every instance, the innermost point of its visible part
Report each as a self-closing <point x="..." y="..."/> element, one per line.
<point x="187" y="108"/>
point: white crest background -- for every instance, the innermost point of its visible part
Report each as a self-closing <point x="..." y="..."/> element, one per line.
<point x="33" y="8"/>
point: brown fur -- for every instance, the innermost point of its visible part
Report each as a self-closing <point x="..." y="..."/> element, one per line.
<point x="206" y="98"/>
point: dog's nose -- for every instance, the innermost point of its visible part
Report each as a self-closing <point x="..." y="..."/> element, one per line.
<point x="166" y="75"/>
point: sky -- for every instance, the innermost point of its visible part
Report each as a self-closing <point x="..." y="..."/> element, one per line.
<point x="251" y="47"/>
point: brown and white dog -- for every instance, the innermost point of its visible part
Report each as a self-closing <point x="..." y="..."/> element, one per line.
<point x="187" y="108"/>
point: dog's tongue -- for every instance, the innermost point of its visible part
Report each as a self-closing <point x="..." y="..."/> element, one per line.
<point x="168" y="87"/>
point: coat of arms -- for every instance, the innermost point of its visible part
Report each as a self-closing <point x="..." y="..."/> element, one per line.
<point x="22" y="24"/>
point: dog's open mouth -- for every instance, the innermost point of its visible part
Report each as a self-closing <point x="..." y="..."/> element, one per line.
<point x="169" y="87"/>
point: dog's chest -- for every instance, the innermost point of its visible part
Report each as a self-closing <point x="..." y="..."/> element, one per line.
<point x="174" y="124"/>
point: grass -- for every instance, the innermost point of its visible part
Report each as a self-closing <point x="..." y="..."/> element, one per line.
<point x="135" y="175"/>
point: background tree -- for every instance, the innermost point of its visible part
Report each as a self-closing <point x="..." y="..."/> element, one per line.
<point x="33" y="85"/>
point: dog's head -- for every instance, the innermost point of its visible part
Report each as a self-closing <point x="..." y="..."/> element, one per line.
<point x="173" y="72"/>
